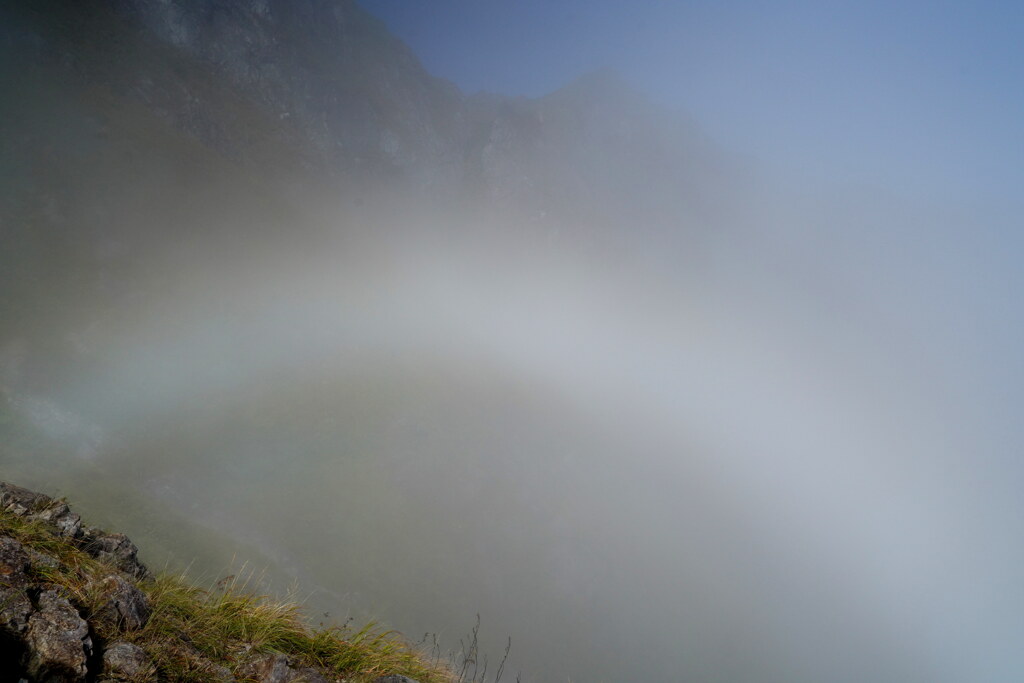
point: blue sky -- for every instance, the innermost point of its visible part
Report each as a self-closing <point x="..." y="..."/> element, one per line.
<point x="920" y="98"/>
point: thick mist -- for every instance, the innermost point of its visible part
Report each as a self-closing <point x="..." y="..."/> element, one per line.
<point x="777" y="463"/>
<point x="652" y="408"/>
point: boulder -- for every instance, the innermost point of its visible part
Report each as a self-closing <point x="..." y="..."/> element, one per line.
<point x="58" y="641"/>
<point x="21" y="501"/>
<point x="57" y="513"/>
<point x="124" y="605"/>
<point x="125" y="660"/>
<point x="275" y="667"/>
<point x="14" y="562"/>
<point x="267" y="668"/>
<point x="114" y="549"/>
<point x="15" y="605"/>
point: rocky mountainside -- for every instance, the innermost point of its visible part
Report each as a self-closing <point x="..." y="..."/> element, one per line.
<point x="358" y="95"/>
<point x="170" y="171"/>
<point x="76" y="605"/>
<point x="140" y="135"/>
<point x="43" y="636"/>
<point x="325" y="76"/>
<point x="322" y="85"/>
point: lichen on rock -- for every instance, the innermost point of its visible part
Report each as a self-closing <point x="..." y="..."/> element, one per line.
<point x="125" y="606"/>
<point x="58" y="641"/>
<point x="126" y="661"/>
<point x="77" y="606"/>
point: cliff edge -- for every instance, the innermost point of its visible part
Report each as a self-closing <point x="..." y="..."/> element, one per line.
<point x="77" y="605"/>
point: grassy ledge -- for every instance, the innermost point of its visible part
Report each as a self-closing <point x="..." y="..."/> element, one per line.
<point x="196" y="634"/>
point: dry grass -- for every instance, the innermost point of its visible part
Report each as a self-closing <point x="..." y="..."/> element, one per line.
<point x="193" y="632"/>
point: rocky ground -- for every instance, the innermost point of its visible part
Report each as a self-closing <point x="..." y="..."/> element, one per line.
<point x="78" y="612"/>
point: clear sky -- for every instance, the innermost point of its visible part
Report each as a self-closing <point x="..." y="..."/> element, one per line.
<point x="924" y="98"/>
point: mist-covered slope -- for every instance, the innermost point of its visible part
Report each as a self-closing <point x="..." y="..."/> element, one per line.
<point x="212" y="214"/>
<point x="269" y="291"/>
<point x="79" y="606"/>
<point x="148" y="141"/>
<point x="321" y="86"/>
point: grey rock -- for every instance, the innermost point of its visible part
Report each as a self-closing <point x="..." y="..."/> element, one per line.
<point x="15" y="610"/>
<point x="42" y="560"/>
<point x="276" y="668"/>
<point x="32" y="505"/>
<point x="58" y="641"/>
<point x="358" y="95"/>
<point x="57" y="513"/>
<point x="14" y="562"/>
<point x="268" y="668"/>
<point x="116" y="550"/>
<point x="124" y="605"/>
<point x="394" y="678"/>
<point x="15" y="605"/>
<point x="127" y="660"/>
<point x="21" y="501"/>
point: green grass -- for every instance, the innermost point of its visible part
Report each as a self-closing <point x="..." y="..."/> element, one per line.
<point x="193" y="631"/>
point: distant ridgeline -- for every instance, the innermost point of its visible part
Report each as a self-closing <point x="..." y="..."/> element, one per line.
<point x="303" y="90"/>
<point x="147" y="140"/>
<point x="76" y="605"/>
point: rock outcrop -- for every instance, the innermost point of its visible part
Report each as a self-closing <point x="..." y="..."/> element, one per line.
<point x="326" y="80"/>
<point x="127" y="660"/>
<point x="46" y="634"/>
<point x="114" y="549"/>
<point x="51" y="632"/>
<point x="57" y="640"/>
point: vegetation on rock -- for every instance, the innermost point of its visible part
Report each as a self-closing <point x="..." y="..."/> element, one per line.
<point x="76" y="605"/>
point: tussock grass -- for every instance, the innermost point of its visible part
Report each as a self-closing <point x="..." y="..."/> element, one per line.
<point x="195" y="634"/>
<point x="230" y="622"/>
<point x="73" y="569"/>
